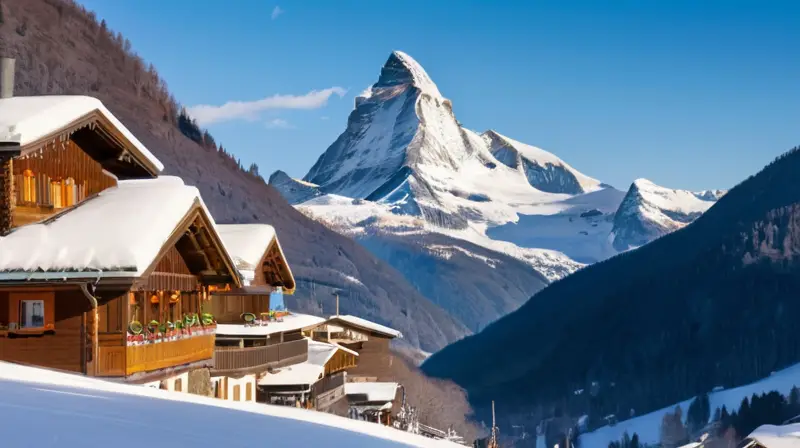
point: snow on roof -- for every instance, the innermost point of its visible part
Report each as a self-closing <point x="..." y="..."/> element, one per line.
<point x="375" y="392"/>
<point x="117" y="233"/>
<point x="72" y="403"/>
<point x="771" y="436"/>
<point x="368" y="325"/>
<point x="291" y="322"/>
<point x="36" y="117"/>
<point x="308" y="372"/>
<point x="247" y="244"/>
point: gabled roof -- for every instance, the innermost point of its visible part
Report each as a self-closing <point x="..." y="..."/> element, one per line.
<point x="35" y="120"/>
<point x="119" y="232"/>
<point x="258" y="254"/>
<point x="366" y="325"/>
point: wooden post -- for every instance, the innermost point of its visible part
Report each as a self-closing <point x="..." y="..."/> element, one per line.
<point x="6" y="194"/>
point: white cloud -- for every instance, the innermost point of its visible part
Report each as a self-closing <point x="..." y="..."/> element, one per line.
<point x="279" y="123"/>
<point x="276" y="12"/>
<point x="206" y="114"/>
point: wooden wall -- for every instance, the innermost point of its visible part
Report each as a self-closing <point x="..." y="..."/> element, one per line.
<point x="228" y="309"/>
<point x="62" y="350"/>
<point x="60" y="176"/>
<point x="374" y="358"/>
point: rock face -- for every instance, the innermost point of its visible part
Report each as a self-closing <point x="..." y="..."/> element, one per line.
<point x="426" y="195"/>
<point x="649" y="211"/>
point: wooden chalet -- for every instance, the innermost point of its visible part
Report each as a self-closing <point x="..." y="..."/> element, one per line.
<point x="369" y="339"/>
<point x="773" y="436"/>
<point x="253" y="337"/>
<point x="117" y="286"/>
<point x="104" y="267"/>
<point x="56" y="151"/>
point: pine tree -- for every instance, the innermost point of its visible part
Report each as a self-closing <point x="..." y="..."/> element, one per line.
<point x="717" y="415"/>
<point x="635" y="441"/>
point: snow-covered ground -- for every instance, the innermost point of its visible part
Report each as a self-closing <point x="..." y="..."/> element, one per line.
<point x="43" y="408"/>
<point x="648" y="426"/>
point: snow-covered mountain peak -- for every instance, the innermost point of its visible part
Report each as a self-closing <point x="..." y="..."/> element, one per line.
<point x="401" y="69"/>
<point x="544" y="170"/>
<point x="649" y="211"/>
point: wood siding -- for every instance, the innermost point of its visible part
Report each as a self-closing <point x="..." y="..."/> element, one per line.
<point x="146" y="358"/>
<point x="59" y="176"/>
<point x="228" y="309"/>
<point x="62" y="350"/>
<point x="234" y="360"/>
<point x="375" y="358"/>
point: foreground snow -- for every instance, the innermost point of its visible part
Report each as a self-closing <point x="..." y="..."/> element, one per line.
<point x="47" y="408"/>
<point x="648" y="426"/>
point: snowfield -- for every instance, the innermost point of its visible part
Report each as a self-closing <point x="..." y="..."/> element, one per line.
<point x="648" y="426"/>
<point x="45" y="408"/>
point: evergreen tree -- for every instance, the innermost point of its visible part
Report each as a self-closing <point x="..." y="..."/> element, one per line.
<point x="635" y="441"/>
<point x="717" y="415"/>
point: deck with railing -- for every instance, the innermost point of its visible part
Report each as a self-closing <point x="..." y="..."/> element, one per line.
<point x="241" y="360"/>
<point x="127" y="360"/>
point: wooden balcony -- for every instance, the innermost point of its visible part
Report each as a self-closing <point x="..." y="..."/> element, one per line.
<point x="123" y="361"/>
<point x="231" y="360"/>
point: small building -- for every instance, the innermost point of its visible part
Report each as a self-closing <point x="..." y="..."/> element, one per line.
<point x="116" y="286"/>
<point x="372" y="401"/>
<point x="369" y="339"/>
<point x="317" y="383"/>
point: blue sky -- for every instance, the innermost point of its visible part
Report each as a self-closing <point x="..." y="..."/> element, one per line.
<point x="688" y="95"/>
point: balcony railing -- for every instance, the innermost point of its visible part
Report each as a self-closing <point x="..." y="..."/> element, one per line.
<point x="233" y="359"/>
<point x="146" y="358"/>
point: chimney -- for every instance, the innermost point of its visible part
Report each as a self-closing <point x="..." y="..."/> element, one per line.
<point x="7" y="77"/>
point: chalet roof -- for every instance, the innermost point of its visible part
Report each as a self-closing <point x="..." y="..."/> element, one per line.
<point x="771" y="436"/>
<point x="30" y="119"/>
<point x="119" y="232"/>
<point x="292" y="322"/>
<point x="251" y="245"/>
<point x="365" y="324"/>
<point x="373" y="392"/>
<point x="308" y="372"/>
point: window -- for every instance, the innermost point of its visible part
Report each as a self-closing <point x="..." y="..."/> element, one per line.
<point x="248" y="396"/>
<point x="31" y="313"/>
<point x="178" y="385"/>
<point x="236" y="390"/>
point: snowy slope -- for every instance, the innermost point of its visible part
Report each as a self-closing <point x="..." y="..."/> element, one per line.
<point x="650" y="211"/>
<point x="648" y="426"/>
<point x="54" y="409"/>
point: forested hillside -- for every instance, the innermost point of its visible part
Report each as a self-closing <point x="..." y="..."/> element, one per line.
<point x="714" y="304"/>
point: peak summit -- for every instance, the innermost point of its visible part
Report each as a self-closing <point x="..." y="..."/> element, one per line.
<point x="402" y="69"/>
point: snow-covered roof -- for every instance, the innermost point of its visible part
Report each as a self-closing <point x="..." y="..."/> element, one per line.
<point x="117" y="233"/>
<point x="291" y="322"/>
<point x="308" y="372"/>
<point x="248" y="244"/>
<point x="367" y="325"/>
<point x="70" y="403"/>
<point x="33" y="118"/>
<point x="771" y="436"/>
<point x="374" y="392"/>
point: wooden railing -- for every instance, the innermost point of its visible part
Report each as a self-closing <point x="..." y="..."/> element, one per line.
<point x="146" y="358"/>
<point x="328" y="391"/>
<point x="228" y="359"/>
